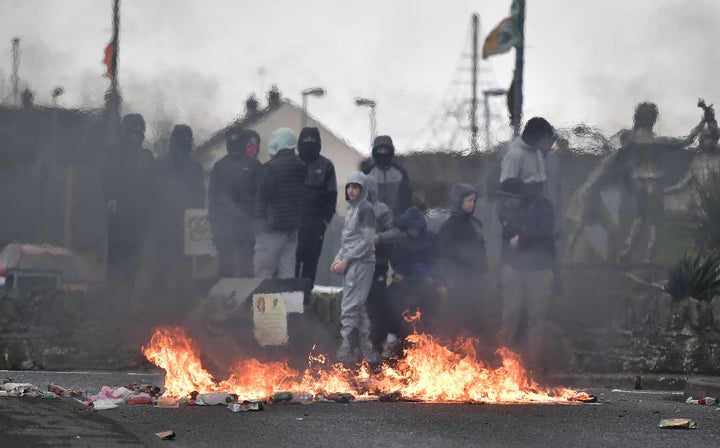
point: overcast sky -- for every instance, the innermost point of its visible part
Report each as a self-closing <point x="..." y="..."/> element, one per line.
<point x="196" y="62"/>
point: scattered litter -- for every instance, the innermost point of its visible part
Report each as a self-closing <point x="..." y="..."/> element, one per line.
<point x="21" y="390"/>
<point x="166" y="435"/>
<point x="167" y="402"/>
<point x="302" y="398"/>
<point x="106" y="403"/>
<point x="683" y="423"/>
<point x="335" y="396"/>
<point x="139" y="399"/>
<point x="247" y="406"/>
<point x="63" y="392"/>
<point x="281" y="397"/>
<point x="709" y="401"/>
<point x="213" y="399"/>
<point x="391" y="397"/>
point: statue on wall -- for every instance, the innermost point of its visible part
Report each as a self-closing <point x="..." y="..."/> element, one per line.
<point x="682" y="195"/>
<point x="637" y="164"/>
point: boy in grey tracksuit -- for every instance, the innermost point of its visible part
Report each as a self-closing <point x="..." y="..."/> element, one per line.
<point x="356" y="262"/>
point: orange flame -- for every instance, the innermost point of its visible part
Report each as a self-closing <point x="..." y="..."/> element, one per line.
<point x="429" y="371"/>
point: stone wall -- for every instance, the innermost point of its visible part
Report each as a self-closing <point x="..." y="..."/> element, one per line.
<point x="606" y="322"/>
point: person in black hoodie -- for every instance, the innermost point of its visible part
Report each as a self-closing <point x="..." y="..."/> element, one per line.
<point x="319" y="200"/>
<point x="128" y="185"/>
<point x="277" y="208"/>
<point x="392" y="179"/>
<point x="179" y="186"/>
<point x="461" y="246"/>
<point x="234" y="180"/>
<point x="528" y="257"/>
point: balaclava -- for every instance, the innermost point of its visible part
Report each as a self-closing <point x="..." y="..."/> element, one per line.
<point x="309" y="151"/>
<point x="383" y="160"/>
<point x="235" y="146"/>
<point x="181" y="141"/>
<point x="132" y="124"/>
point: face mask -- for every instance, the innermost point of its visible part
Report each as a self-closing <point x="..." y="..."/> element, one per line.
<point x="180" y="148"/>
<point x="309" y="151"/>
<point x="251" y="150"/>
<point x="382" y="159"/>
<point x="235" y="147"/>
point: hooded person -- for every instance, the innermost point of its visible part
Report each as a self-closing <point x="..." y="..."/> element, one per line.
<point x="318" y="203"/>
<point x="392" y="179"/>
<point x="386" y="235"/>
<point x="526" y="274"/>
<point x="234" y="181"/>
<point x="277" y="209"/>
<point x="355" y="261"/>
<point x="179" y="185"/>
<point x="416" y="282"/>
<point x="128" y="188"/>
<point x="461" y="242"/>
<point x="463" y="256"/>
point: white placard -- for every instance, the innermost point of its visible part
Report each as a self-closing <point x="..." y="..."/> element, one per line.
<point x="198" y="236"/>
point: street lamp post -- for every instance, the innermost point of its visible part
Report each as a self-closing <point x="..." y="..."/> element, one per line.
<point x="314" y="91"/>
<point x="57" y="91"/>
<point x="367" y="102"/>
<point x="486" y="104"/>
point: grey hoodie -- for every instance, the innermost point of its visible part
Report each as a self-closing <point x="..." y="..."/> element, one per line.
<point x="356" y="244"/>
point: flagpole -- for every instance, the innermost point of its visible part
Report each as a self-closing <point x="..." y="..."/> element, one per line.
<point x="113" y="97"/>
<point x="519" y="66"/>
<point x="473" y="104"/>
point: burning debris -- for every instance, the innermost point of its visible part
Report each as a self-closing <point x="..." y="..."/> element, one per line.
<point x="428" y="372"/>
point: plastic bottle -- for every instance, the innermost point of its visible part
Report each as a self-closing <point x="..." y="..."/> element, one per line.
<point x="281" y="397"/>
<point x="213" y="399"/>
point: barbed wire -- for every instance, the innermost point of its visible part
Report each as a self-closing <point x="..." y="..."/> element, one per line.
<point x="449" y="127"/>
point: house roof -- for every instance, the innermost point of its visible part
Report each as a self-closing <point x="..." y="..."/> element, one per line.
<point x="248" y="122"/>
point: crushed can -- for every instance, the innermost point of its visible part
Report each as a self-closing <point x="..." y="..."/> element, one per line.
<point x="255" y="405"/>
<point x="684" y="423"/>
<point x="247" y="406"/>
<point x="338" y="397"/>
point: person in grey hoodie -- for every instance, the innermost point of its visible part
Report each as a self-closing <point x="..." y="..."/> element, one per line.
<point x="392" y="179"/>
<point x="524" y="157"/>
<point x="355" y="261"/>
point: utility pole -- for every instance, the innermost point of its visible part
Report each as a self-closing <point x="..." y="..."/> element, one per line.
<point x="16" y="67"/>
<point x="473" y="104"/>
<point x="518" y="76"/>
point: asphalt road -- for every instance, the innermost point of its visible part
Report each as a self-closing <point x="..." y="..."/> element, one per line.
<point x="619" y="419"/>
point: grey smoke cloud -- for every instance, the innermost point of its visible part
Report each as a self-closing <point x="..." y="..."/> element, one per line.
<point x="585" y="61"/>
